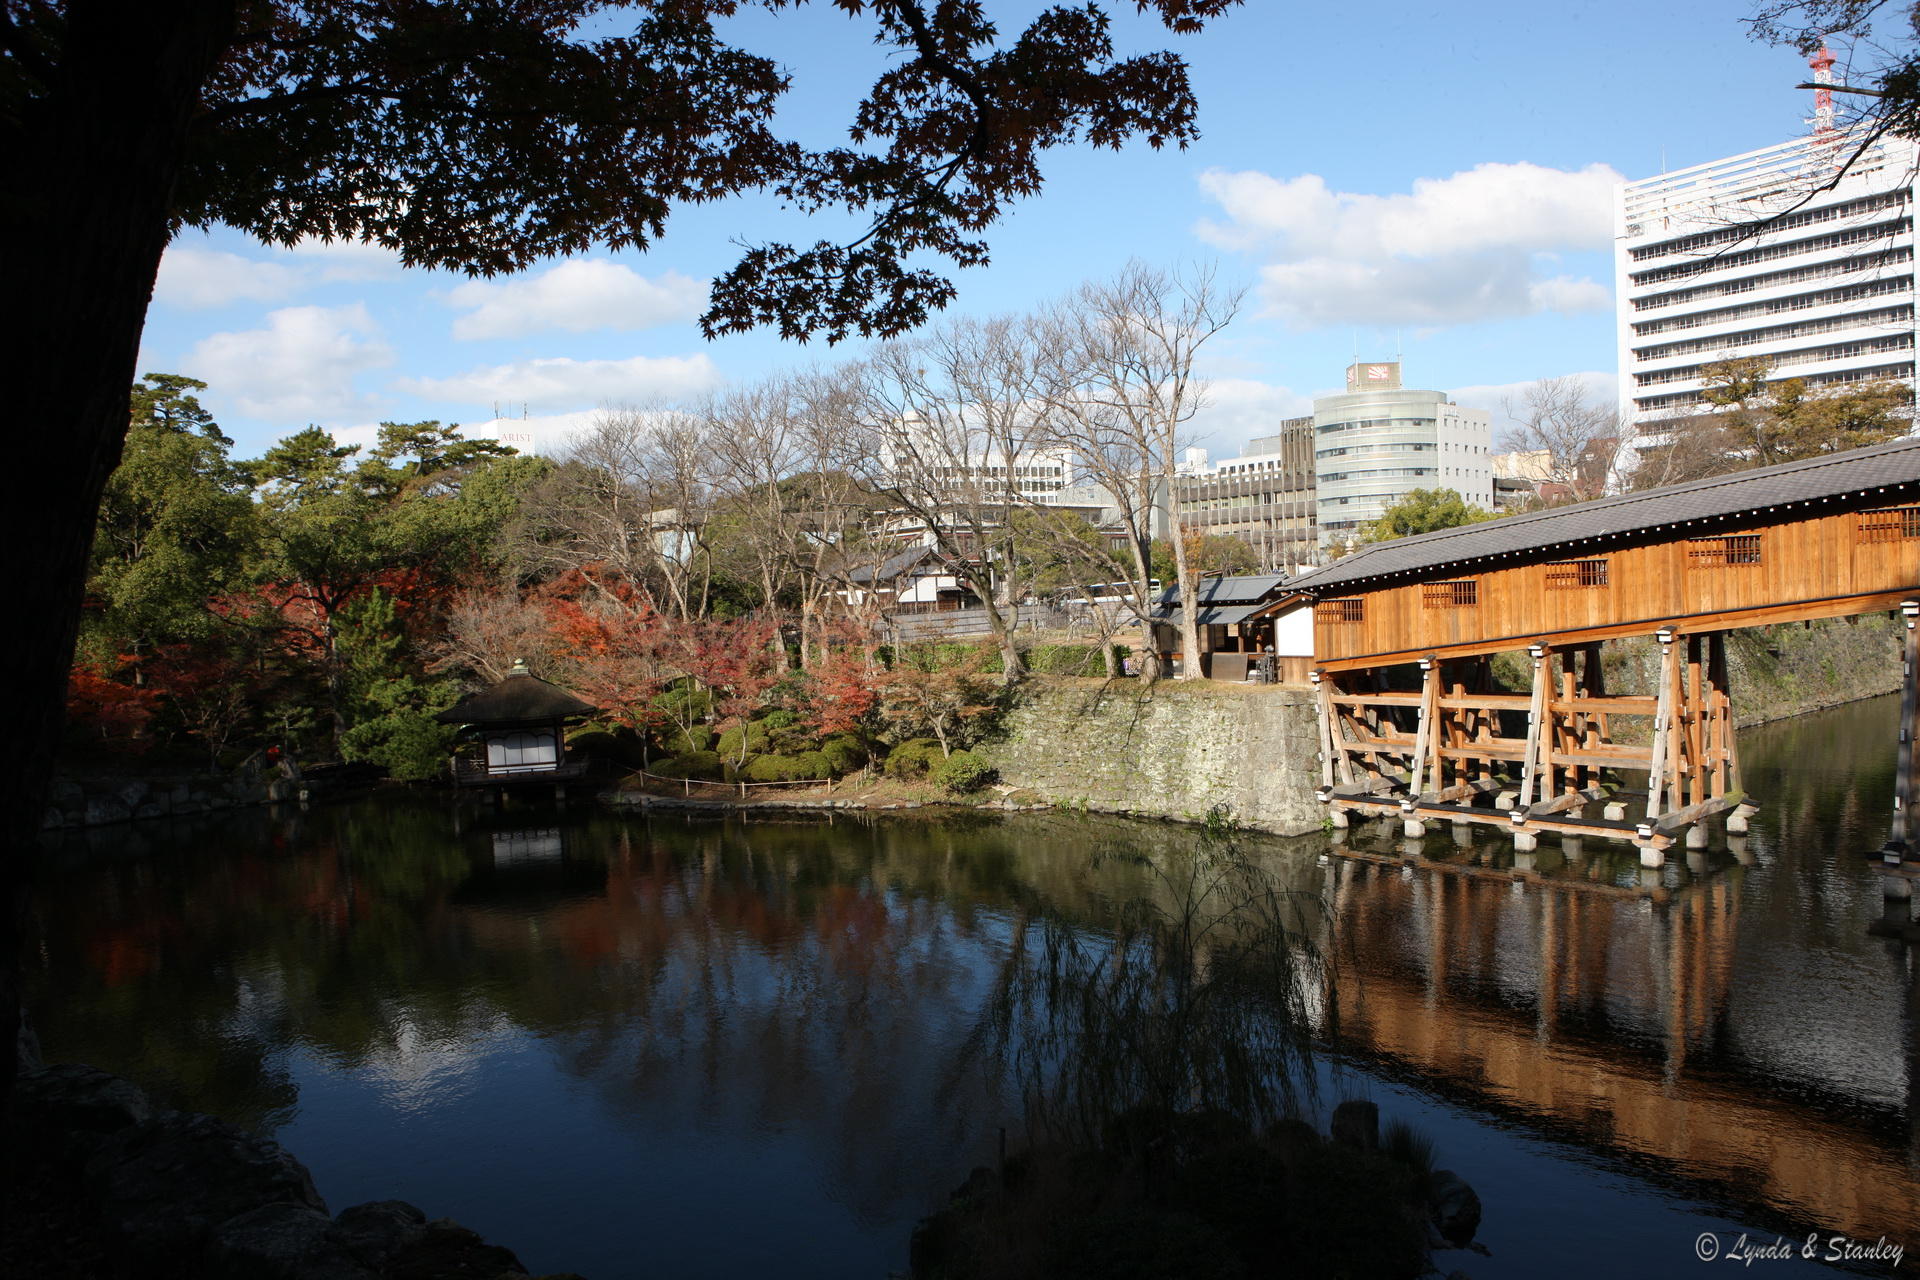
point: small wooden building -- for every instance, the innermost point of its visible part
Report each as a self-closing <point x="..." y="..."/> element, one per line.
<point x="516" y="732"/>
<point x="1251" y="628"/>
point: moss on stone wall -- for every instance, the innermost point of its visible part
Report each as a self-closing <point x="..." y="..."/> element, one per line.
<point x="1174" y="749"/>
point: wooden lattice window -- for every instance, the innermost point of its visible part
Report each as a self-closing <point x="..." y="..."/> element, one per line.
<point x="1890" y="524"/>
<point x="1451" y="595"/>
<point x="1576" y="575"/>
<point x="1340" y="610"/>
<point x="1717" y="553"/>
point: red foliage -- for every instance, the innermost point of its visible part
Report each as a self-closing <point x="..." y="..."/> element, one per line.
<point x="734" y="658"/>
<point x="614" y="644"/>
<point x="843" y="690"/>
<point x="209" y="687"/>
<point x="107" y="709"/>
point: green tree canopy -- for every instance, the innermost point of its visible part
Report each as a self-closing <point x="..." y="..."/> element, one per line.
<point x="1752" y="420"/>
<point x="1424" y="511"/>
<point x="175" y="520"/>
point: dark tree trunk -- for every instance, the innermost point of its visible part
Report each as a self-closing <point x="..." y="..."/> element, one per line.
<point x="88" y="173"/>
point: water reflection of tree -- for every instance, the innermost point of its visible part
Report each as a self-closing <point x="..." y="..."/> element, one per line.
<point x="1203" y="996"/>
<point x="815" y="979"/>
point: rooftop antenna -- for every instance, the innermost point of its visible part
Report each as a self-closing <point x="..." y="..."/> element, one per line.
<point x="1822" y="64"/>
<point x="1826" y="134"/>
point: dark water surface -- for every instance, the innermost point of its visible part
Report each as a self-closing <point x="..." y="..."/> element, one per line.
<point x="647" y="1047"/>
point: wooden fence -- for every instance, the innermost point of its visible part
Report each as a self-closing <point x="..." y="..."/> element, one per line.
<point x="954" y="624"/>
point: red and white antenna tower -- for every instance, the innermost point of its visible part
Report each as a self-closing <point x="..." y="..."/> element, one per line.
<point x="1822" y="64"/>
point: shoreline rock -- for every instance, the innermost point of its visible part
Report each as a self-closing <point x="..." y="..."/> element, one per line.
<point x="180" y="1194"/>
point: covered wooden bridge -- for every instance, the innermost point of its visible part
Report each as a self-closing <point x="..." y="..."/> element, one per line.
<point x="1410" y="719"/>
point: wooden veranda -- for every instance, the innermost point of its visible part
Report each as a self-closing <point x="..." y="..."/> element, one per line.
<point x="1411" y="721"/>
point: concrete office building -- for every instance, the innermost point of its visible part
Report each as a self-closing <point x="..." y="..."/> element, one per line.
<point x="1380" y="442"/>
<point x="1264" y="497"/>
<point x="1747" y="256"/>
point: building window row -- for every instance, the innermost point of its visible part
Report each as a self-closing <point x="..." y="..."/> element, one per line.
<point x="1805" y="328"/>
<point x="1790" y="359"/>
<point x="983" y="472"/>
<point x="1362" y="424"/>
<point x="1797" y="275"/>
<point x="1777" y="306"/>
<point x="1380" y="471"/>
<point x="1344" y="450"/>
<point x="1800" y="218"/>
<point x="1774" y="252"/>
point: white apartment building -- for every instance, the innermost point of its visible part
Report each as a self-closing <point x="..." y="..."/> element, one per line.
<point x="1746" y="257"/>
<point x="1379" y="442"/>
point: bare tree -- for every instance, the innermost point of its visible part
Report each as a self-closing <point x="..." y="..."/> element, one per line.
<point x="950" y="436"/>
<point x="488" y="630"/>
<point x="1563" y="419"/>
<point x="1130" y="403"/>
<point x="635" y="492"/>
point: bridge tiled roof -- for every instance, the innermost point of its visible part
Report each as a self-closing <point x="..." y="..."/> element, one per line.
<point x="1892" y="470"/>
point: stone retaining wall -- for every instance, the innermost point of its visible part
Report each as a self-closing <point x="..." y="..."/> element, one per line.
<point x="1174" y="749"/>
<point x="93" y="802"/>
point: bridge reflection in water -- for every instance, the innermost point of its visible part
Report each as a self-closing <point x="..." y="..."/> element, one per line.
<point x="1629" y="1017"/>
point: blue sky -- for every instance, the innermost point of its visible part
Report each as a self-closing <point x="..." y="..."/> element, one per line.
<point x="1423" y="178"/>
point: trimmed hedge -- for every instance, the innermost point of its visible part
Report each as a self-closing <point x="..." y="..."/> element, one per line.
<point x="779" y="768"/>
<point x="703" y="765"/>
<point x="1069" y="660"/>
<point x="912" y="758"/>
<point x="698" y="738"/>
<point x="755" y="733"/>
<point x="843" y="753"/>
<point x="963" y="773"/>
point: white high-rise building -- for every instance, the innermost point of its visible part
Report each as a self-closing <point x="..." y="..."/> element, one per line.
<point x="1748" y="256"/>
<point x="1379" y="442"/>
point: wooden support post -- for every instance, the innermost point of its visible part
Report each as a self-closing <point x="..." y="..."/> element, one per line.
<point x="1429" y="714"/>
<point x="1423" y="742"/>
<point x="1536" y="723"/>
<point x="1899" y="842"/>
<point x="1335" y="766"/>
<point x="1695" y="703"/>
<point x="1662" y="724"/>
<point x="1324" y="702"/>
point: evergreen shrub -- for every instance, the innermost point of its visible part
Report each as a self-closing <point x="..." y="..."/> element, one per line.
<point x="963" y="773"/>
<point x="775" y="768"/>
<point x="681" y="741"/>
<point x="843" y="754"/>
<point x="1065" y="660"/>
<point x="755" y="734"/>
<point x="705" y="765"/>
<point x="411" y="745"/>
<point x="912" y="758"/>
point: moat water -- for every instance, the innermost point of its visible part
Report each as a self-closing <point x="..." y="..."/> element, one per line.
<point x="632" y="1046"/>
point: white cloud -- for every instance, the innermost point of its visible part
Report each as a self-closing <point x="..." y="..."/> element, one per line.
<point x="561" y="384"/>
<point x="1238" y="409"/>
<point x="1474" y="246"/>
<point x="549" y="434"/>
<point x="576" y="295"/>
<point x="298" y="369"/>
<point x="334" y="260"/>
<point x="197" y="278"/>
